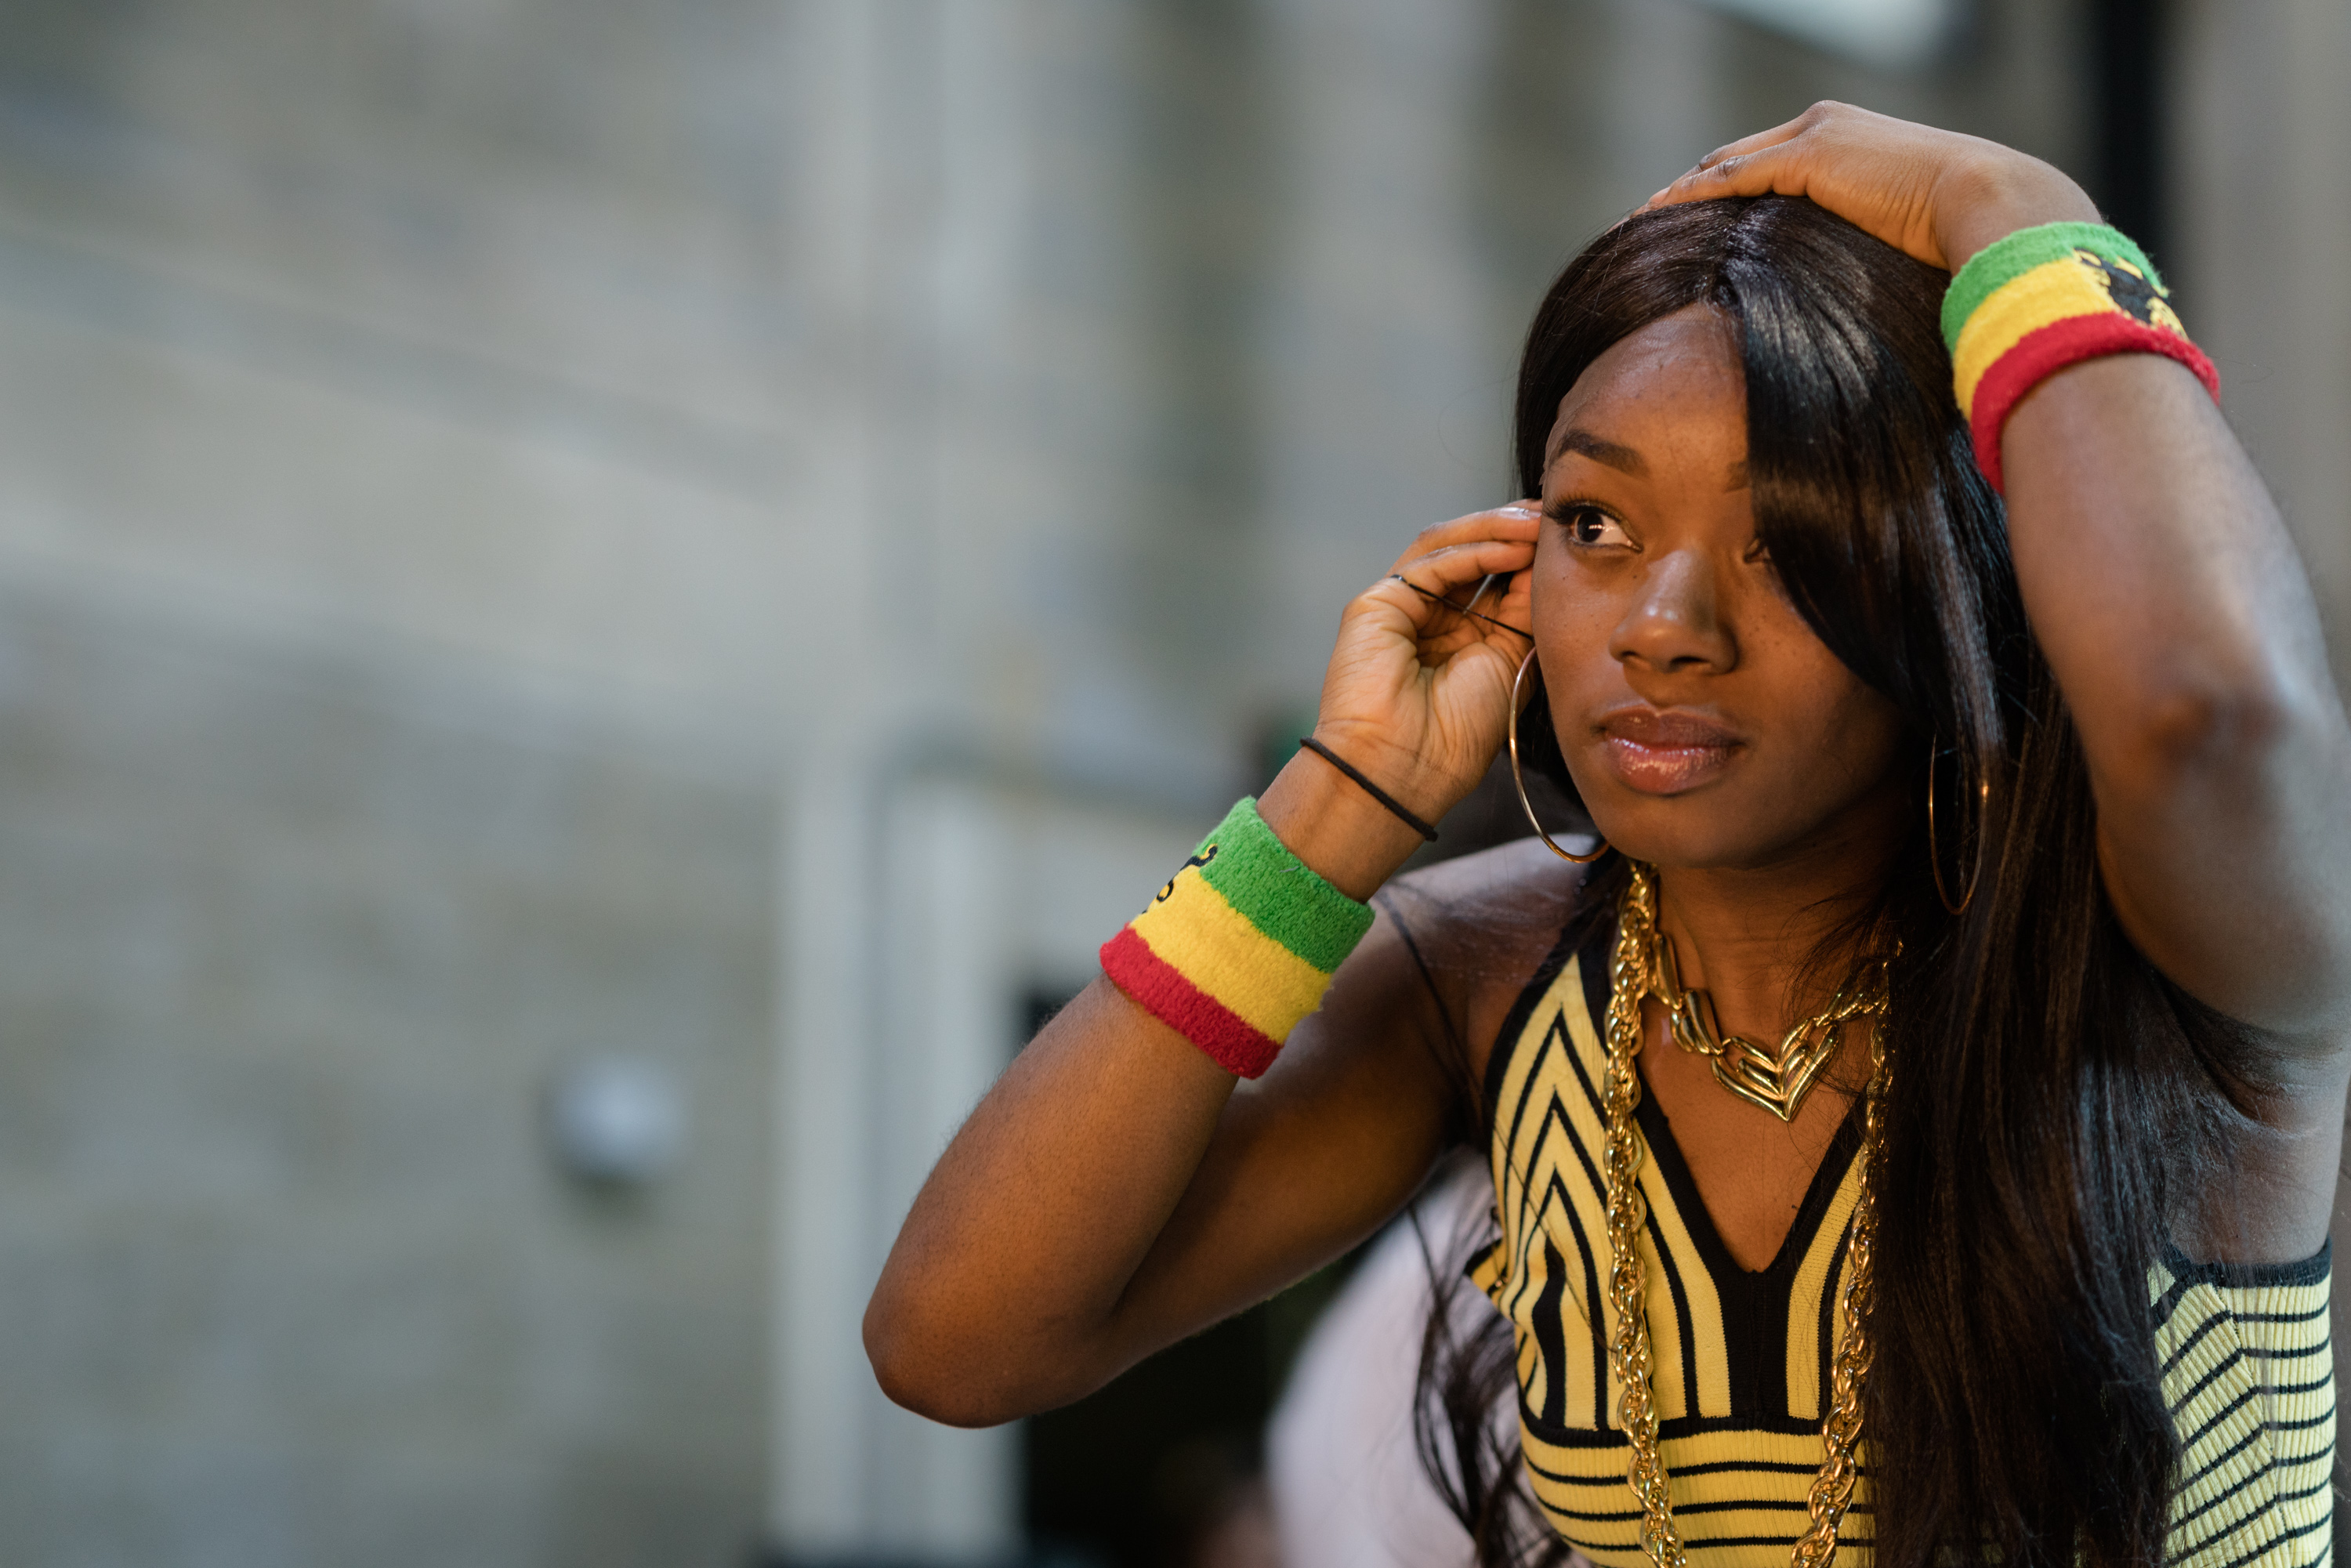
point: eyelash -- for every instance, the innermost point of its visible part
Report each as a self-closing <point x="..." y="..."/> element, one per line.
<point x="1569" y="515"/>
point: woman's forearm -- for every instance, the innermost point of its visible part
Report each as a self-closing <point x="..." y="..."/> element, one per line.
<point x="998" y="1296"/>
<point x="2174" y="614"/>
<point x="1111" y="1194"/>
<point x="2161" y="580"/>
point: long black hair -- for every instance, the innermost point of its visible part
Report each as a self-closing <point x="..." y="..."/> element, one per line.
<point x="2050" y="1093"/>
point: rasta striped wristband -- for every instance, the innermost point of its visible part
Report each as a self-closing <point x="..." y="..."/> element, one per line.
<point x="1239" y="945"/>
<point x="2026" y="307"/>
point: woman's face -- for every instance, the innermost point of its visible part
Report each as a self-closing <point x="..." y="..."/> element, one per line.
<point x="1704" y="722"/>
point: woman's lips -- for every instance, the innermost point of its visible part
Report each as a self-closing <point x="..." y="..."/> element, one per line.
<point x="1664" y="753"/>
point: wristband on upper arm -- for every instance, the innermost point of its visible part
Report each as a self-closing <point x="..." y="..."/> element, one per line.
<point x="1240" y="946"/>
<point x="2025" y="306"/>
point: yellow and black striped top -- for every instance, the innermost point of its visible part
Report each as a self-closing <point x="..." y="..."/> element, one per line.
<point x="1741" y="1358"/>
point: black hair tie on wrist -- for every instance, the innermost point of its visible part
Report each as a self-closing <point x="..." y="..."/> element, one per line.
<point x="1374" y="790"/>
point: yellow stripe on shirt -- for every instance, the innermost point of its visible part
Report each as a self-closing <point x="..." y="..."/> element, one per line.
<point x="1816" y="1277"/>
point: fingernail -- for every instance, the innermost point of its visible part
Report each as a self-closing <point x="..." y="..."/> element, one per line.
<point x="1519" y="509"/>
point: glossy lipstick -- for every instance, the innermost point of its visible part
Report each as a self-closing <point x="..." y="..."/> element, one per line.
<point x="1664" y="753"/>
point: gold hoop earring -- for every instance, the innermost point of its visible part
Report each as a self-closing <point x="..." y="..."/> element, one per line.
<point x="1600" y="846"/>
<point x="1934" y="856"/>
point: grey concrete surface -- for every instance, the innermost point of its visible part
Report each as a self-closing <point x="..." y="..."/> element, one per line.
<point x="287" y="949"/>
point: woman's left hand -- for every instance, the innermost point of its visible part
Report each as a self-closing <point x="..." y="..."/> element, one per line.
<point x="1936" y="194"/>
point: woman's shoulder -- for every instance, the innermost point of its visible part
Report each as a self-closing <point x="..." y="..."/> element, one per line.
<point x="1479" y="926"/>
<point x="1511" y="885"/>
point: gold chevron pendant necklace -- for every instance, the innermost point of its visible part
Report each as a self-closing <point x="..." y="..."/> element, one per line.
<point x="1777" y="1081"/>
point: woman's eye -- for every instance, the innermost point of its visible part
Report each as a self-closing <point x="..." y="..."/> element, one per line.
<point x="1591" y="526"/>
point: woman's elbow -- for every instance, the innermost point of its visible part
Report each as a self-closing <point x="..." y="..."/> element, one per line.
<point x="922" y="1369"/>
<point x="2209" y="722"/>
<point x="895" y="1346"/>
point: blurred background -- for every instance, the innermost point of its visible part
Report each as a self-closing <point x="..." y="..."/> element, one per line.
<point x="602" y="602"/>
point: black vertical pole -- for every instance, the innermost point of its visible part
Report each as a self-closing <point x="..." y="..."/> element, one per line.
<point x="2129" y="169"/>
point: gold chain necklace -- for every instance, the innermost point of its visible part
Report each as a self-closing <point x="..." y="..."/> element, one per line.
<point x="1633" y="975"/>
<point x="1778" y="1080"/>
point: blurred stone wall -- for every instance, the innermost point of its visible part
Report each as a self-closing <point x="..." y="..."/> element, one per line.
<point x="2261" y="127"/>
<point x="391" y="460"/>
<point x="288" y="945"/>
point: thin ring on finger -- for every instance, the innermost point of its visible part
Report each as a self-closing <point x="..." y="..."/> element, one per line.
<point x="1459" y="608"/>
<point x="1779" y="135"/>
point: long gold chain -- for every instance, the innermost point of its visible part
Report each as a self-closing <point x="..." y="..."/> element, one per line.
<point x="1632" y="975"/>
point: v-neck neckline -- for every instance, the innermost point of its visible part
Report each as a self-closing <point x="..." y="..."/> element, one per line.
<point x="1698" y="1221"/>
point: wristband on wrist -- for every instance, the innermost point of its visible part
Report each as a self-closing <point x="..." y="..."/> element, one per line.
<point x="1239" y="945"/>
<point x="2026" y="307"/>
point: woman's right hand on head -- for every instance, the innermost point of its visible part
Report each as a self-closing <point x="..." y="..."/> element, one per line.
<point x="1417" y="696"/>
<point x="1937" y="195"/>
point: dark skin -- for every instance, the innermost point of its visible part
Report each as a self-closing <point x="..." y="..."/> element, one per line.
<point x="1117" y="1191"/>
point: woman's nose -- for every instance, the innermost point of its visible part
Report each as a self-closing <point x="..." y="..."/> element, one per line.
<point x="1674" y="623"/>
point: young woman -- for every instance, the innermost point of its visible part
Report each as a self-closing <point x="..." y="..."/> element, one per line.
<point x="1915" y="1119"/>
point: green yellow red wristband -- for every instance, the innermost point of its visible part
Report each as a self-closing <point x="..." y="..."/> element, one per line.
<point x="2025" y="306"/>
<point x="1238" y="946"/>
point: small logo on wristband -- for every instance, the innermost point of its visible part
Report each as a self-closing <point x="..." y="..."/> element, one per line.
<point x="1203" y="858"/>
<point x="2133" y="292"/>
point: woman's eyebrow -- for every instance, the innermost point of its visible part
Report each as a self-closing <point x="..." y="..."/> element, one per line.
<point x="1623" y="459"/>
